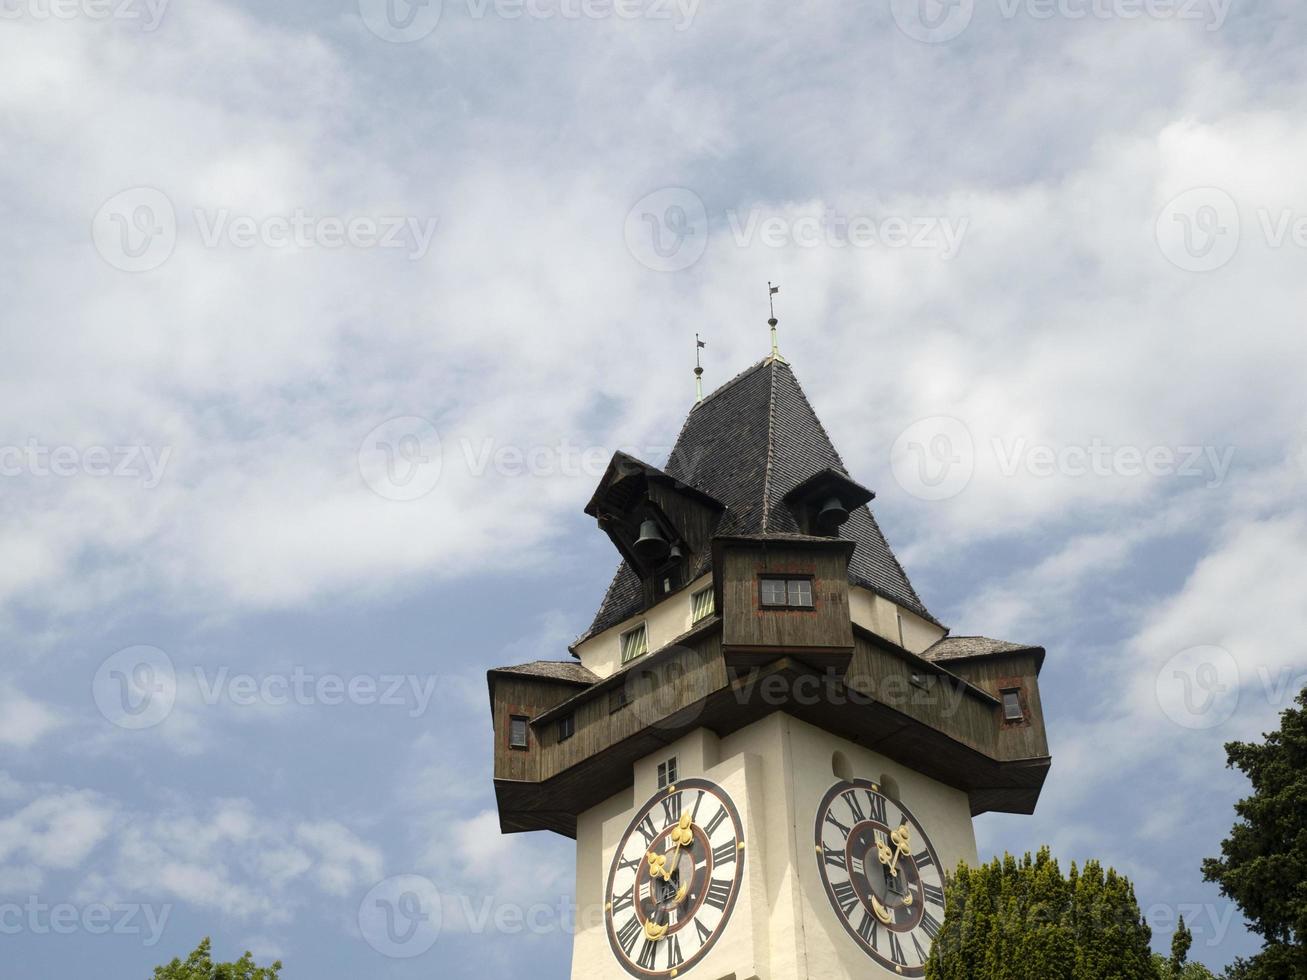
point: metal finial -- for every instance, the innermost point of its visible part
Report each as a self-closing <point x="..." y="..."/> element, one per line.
<point x="771" y="306"/>
<point x="698" y="369"/>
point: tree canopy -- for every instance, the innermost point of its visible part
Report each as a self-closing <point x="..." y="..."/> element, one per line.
<point x="1023" y="919"/>
<point x="200" y="966"/>
<point x="1263" y="863"/>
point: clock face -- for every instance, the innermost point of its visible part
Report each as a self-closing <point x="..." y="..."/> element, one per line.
<point x="881" y="873"/>
<point x="674" y="879"/>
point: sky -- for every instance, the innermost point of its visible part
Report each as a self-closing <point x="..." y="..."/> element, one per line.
<point x="320" y="321"/>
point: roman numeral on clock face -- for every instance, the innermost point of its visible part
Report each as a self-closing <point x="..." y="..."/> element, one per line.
<point x="646" y="829"/>
<point x="845" y="897"/>
<point x="671" y="809"/>
<point x="834" y="857"/>
<point x="874" y="808"/>
<point x="719" y="893"/>
<point x="896" y="950"/>
<point x="877" y="807"/>
<point x="648" y="955"/>
<point x="933" y="894"/>
<point x="724" y="854"/>
<point x="916" y="944"/>
<point x="674" y="957"/>
<point x="855" y="807"/>
<point x="930" y="924"/>
<point x="868" y="930"/>
<point x="625" y="900"/>
<point x="694" y="814"/>
<point x="922" y="859"/>
<point x="711" y="827"/>
<point x="830" y="819"/>
<point x="627" y="935"/>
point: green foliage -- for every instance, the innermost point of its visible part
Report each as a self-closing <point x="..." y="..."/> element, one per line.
<point x="1263" y="863"/>
<point x="1024" y="920"/>
<point x="200" y="966"/>
<point x="1180" y="943"/>
<point x="1190" y="971"/>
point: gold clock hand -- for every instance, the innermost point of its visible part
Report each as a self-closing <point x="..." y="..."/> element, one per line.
<point x="882" y="913"/>
<point x="902" y="839"/>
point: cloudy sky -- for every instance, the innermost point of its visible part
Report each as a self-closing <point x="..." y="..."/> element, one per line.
<point x="319" y="320"/>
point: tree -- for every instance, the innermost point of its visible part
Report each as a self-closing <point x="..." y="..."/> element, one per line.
<point x="1178" y="966"/>
<point x="1190" y="971"/>
<point x="200" y="966"/>
<point x="1263" y="863"/>
<point x="1022" y="919"/>
<point x="1180" y="943"/>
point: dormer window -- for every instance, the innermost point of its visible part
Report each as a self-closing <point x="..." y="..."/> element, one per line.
<point x="635" y="643"/>
<point x="702" y="605"/>
<point x="785" y="593"/>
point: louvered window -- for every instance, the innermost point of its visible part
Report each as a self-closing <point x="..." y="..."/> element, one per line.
<point x="702" y="604"/>
<point x="635" y="643"/>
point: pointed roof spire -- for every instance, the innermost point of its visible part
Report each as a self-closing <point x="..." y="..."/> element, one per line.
<point x="748" y="445"/>
<point x="771" y="306"/>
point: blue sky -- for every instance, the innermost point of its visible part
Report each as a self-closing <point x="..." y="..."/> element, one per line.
<point x="321" y="319"/>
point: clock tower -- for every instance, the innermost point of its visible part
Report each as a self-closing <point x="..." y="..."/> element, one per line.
<point x="768" y="751"/>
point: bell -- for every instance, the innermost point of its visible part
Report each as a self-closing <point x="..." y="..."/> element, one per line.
<point x="831" y="515"/>
<point x="650" y="546"/>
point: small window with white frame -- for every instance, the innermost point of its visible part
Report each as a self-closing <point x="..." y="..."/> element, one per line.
<point x="777" y="592"/>
<point x="667" y="775"/>
<point x="635" y="643"/>
<point x="702" y="605"/>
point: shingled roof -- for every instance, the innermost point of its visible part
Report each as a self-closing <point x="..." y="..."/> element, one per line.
<point x="970" y="647"/>
<point x="748" y="444"/>
<point x="568" y="671"/>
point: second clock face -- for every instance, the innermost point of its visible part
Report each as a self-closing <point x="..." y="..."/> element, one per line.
<point x="881" y="874"/>
<point x="674" y="879"/>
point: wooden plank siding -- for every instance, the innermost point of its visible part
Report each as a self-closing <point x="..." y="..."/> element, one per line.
<point x="527" y="697"/>
<point x="658" y="687"/>
<point x="749" y="626"/>
<point x="952" y="731"/>
<point x="1006" y="671"/>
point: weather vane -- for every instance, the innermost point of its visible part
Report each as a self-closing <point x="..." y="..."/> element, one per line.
<point x="698" y="368"/>
<point x="771" y="306"/>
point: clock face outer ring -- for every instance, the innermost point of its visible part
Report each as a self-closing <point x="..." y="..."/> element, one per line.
<point x="737" y="882"/>
<point x="843" y="786"/>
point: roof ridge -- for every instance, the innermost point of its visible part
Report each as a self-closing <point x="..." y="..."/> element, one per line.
<point x="893" y="556"/>
<point x="771" y="444"/>
<point x="726" y="384"/>
<point x="816" y="418"/>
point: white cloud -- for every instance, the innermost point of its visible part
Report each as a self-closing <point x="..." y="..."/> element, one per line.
<point x="304" y="352"/>
<point x="56" y="830"/>
<point x="344" y="861"/>
<point x="23" y="720"/>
